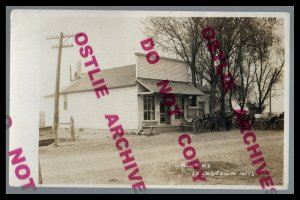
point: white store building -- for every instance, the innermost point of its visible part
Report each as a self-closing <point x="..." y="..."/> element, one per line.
<point x="133" y="95"/>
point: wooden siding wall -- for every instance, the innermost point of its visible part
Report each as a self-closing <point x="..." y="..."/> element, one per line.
<point x="88" y="111"/>
<point x="163" y="69"/>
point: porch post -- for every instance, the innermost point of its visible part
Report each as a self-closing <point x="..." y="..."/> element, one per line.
<point x="157" y="108"/>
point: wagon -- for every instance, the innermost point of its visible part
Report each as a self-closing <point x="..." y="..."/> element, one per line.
<point x="272" y="123"/>
<point x="191" y="122"/>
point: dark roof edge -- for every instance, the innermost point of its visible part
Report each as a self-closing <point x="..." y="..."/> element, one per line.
<point x="164" y="58"/>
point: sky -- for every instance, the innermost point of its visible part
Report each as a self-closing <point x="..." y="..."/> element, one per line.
<point x="114" y="39"/>
<point x="114" y="36"/>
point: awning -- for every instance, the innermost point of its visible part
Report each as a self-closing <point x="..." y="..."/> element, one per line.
<point x="177" y="87"/>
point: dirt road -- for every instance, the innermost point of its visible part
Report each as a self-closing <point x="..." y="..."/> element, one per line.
<point x="93" y="159"/>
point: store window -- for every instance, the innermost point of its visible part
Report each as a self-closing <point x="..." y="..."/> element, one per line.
<point x="149" y="108"/>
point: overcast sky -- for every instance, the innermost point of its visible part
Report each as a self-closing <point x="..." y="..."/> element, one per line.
<point x="114" y="37"/>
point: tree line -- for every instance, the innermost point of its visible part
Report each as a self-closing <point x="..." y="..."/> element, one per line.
<point x="252" y="46"/>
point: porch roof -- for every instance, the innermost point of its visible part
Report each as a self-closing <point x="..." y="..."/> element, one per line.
<point x="177" y="87"/>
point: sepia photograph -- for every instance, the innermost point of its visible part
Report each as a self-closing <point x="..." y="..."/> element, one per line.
<point x="132" y="99"/>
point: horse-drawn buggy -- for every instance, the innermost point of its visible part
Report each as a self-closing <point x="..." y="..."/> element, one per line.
<point x="201" y="123"/>
<point x="275" y="122"/>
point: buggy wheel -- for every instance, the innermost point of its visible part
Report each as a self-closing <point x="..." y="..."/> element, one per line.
<point x="197" y="126"/>
<point x="279" y="124"/>
<point x="206" y="126"/>
<point x="259" y="125"/>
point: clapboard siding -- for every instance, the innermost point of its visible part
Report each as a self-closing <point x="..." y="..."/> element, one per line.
<point x="47" y="106"/>
<point x="88" y="111"/>
<point x="163" y="69"/>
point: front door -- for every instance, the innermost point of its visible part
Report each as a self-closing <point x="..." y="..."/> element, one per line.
<point x="164" y="117"/>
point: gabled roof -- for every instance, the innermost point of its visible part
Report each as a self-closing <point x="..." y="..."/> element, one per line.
<point x="114" y="78"/>
<point x="126" y="76"/>
<point x="177" y="87"/>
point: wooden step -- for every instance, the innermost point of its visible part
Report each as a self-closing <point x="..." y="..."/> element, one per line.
<point x="140" y="132"/>
<point x="145" y="131"/>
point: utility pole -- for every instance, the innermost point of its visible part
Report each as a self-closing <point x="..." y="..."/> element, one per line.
<point x="71" y="73"/>
<point x="270" y="106"/>
<point x="56" y="104"/>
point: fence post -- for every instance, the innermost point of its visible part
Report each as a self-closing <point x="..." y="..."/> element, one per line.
<point x="40" y="174"/>
<point x="72" y="129"/>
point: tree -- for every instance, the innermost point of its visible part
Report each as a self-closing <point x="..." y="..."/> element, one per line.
<point x="254" y="55"/>
<point x="269" y="60"/>
<point x="254" y="108"/>
<point x="243" y="70"/>
<point x="234" y="35"/>
<point x="249" y="45"/>
<point x="180" y="37"/>
<point x="177" y="37"/>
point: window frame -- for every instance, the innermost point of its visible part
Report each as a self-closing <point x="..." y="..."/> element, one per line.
<point x="148" y="108"/>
